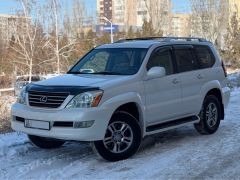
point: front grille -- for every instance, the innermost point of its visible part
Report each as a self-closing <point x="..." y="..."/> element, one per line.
<point x="46" y="99"/>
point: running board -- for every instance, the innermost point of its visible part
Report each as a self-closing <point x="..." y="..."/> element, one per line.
<point x="169" y="124"/>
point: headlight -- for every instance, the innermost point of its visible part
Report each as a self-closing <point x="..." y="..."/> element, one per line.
<point x="22" y="96"/>
<point x="86" y="100"/>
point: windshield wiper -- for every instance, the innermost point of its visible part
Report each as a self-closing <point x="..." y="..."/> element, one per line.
<point x="72" y="72"/>
<point x="102" y="72"/>
<point x="107" y="73"/>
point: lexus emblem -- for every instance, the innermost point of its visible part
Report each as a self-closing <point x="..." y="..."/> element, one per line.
<point x="43" y="99"/>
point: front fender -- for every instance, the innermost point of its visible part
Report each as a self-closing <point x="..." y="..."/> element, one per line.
<point x="129" y="97"/>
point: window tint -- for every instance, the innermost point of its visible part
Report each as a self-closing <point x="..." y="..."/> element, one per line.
<point x="205" y="56"/>
<point x="185" y="59"/>
<point x="124" y="61"/>
<point x="96" y="63"/>
<point x="161" y="58"/>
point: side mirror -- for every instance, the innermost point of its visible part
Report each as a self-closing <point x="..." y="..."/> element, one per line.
<point x="156" y="72"/>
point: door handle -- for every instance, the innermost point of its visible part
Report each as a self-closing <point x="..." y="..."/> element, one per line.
<point x="200" y="76"/>
<point x="175" y="81"/>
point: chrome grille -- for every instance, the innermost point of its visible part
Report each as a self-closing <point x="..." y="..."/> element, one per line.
<point x="46" y="99"/>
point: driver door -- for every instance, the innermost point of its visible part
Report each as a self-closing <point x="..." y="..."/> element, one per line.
<point x="163" y="95"/>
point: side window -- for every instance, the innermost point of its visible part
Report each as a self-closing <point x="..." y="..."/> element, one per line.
<point x="185" y="59"/>
<point x="161" y="58"/>
<point x="205" y="56"/>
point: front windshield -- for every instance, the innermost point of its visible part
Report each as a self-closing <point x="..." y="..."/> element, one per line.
<point x="111" y="61"/>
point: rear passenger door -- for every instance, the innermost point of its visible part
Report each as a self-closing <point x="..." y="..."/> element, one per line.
<point x="191" y="76"/>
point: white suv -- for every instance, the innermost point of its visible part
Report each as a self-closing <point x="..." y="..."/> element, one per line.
<point x="119" y="93"/>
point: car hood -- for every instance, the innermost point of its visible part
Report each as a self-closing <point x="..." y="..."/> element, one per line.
<point x="80" y="80"/>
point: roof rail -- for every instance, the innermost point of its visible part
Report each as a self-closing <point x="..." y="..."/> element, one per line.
<point x="167" y="39"/>
<point x="164" y="39"/>
<point x="139" y="39"/>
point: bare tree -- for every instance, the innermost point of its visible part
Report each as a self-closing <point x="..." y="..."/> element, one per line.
<point x="209" y="19"/>
<point x="53" y="32"/>
<point x="232" y="51"/>
<point x="160" y="14"/>
<point x="24" y="41"/>
<point x="59" y="43"/>
<point x="79" y="14"/>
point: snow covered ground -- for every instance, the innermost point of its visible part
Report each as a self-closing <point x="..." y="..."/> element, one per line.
<point x="176" y="154"/>
<point x="234" y="79"/>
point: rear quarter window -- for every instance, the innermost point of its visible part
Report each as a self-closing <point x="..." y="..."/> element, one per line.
<point x="205" y="56"/>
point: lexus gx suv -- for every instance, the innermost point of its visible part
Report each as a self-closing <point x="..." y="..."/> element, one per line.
<point x="121" y="92"/>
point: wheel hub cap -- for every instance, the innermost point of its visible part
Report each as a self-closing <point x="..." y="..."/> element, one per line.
<point x="119" y="137"/>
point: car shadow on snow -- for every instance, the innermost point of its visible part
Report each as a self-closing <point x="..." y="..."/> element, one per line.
<point x="169" y="138"/>
<point x="164" y="139"/>
<point x="73" y="150"/>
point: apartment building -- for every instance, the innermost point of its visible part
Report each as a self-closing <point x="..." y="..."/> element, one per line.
<point x="104" y="9"/>
<point x="124" y="13"/>
<point x="128" y="13"/>
<point x="181" y="24"/>
<point x="10" y="25"/>
<point x="5" y="23"/>
<point x="160" y="12"/>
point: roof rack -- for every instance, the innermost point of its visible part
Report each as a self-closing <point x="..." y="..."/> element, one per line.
<point x="140" y="39"/>
<point x="185" y="38"/>
<point x="164" y="39"/>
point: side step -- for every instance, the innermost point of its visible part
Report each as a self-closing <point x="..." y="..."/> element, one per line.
<point x="173" y="123"/>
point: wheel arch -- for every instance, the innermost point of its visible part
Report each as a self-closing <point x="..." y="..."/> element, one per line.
<point x="134" y="109"/>
<point x="217" y="93"/>
<point x="131" y="103"/>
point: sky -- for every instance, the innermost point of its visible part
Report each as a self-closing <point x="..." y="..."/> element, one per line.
<point x="8" y="6"/>
<point x="181" y="5"/>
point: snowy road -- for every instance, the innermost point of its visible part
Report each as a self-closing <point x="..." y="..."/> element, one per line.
<point x="176" y="154"/>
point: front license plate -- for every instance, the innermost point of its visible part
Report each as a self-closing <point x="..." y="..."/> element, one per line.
<point x="35" y="124"/>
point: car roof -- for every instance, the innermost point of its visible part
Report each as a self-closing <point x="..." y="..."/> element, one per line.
<point x="148" y="42"/>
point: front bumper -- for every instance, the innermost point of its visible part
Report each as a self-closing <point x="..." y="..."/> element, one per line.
<point x="101" y="117"/>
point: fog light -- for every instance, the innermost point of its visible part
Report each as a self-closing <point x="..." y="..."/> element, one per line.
<point x="83" y="124"/>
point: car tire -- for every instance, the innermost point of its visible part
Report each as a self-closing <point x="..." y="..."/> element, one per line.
<point x="45" y="143"/>
<point x="210" y="116"/>
<point x="122" y="138"/>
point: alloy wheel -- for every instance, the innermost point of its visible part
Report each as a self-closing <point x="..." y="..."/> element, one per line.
<point x="119" y="137"/>
<point x="211" y="114"/>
